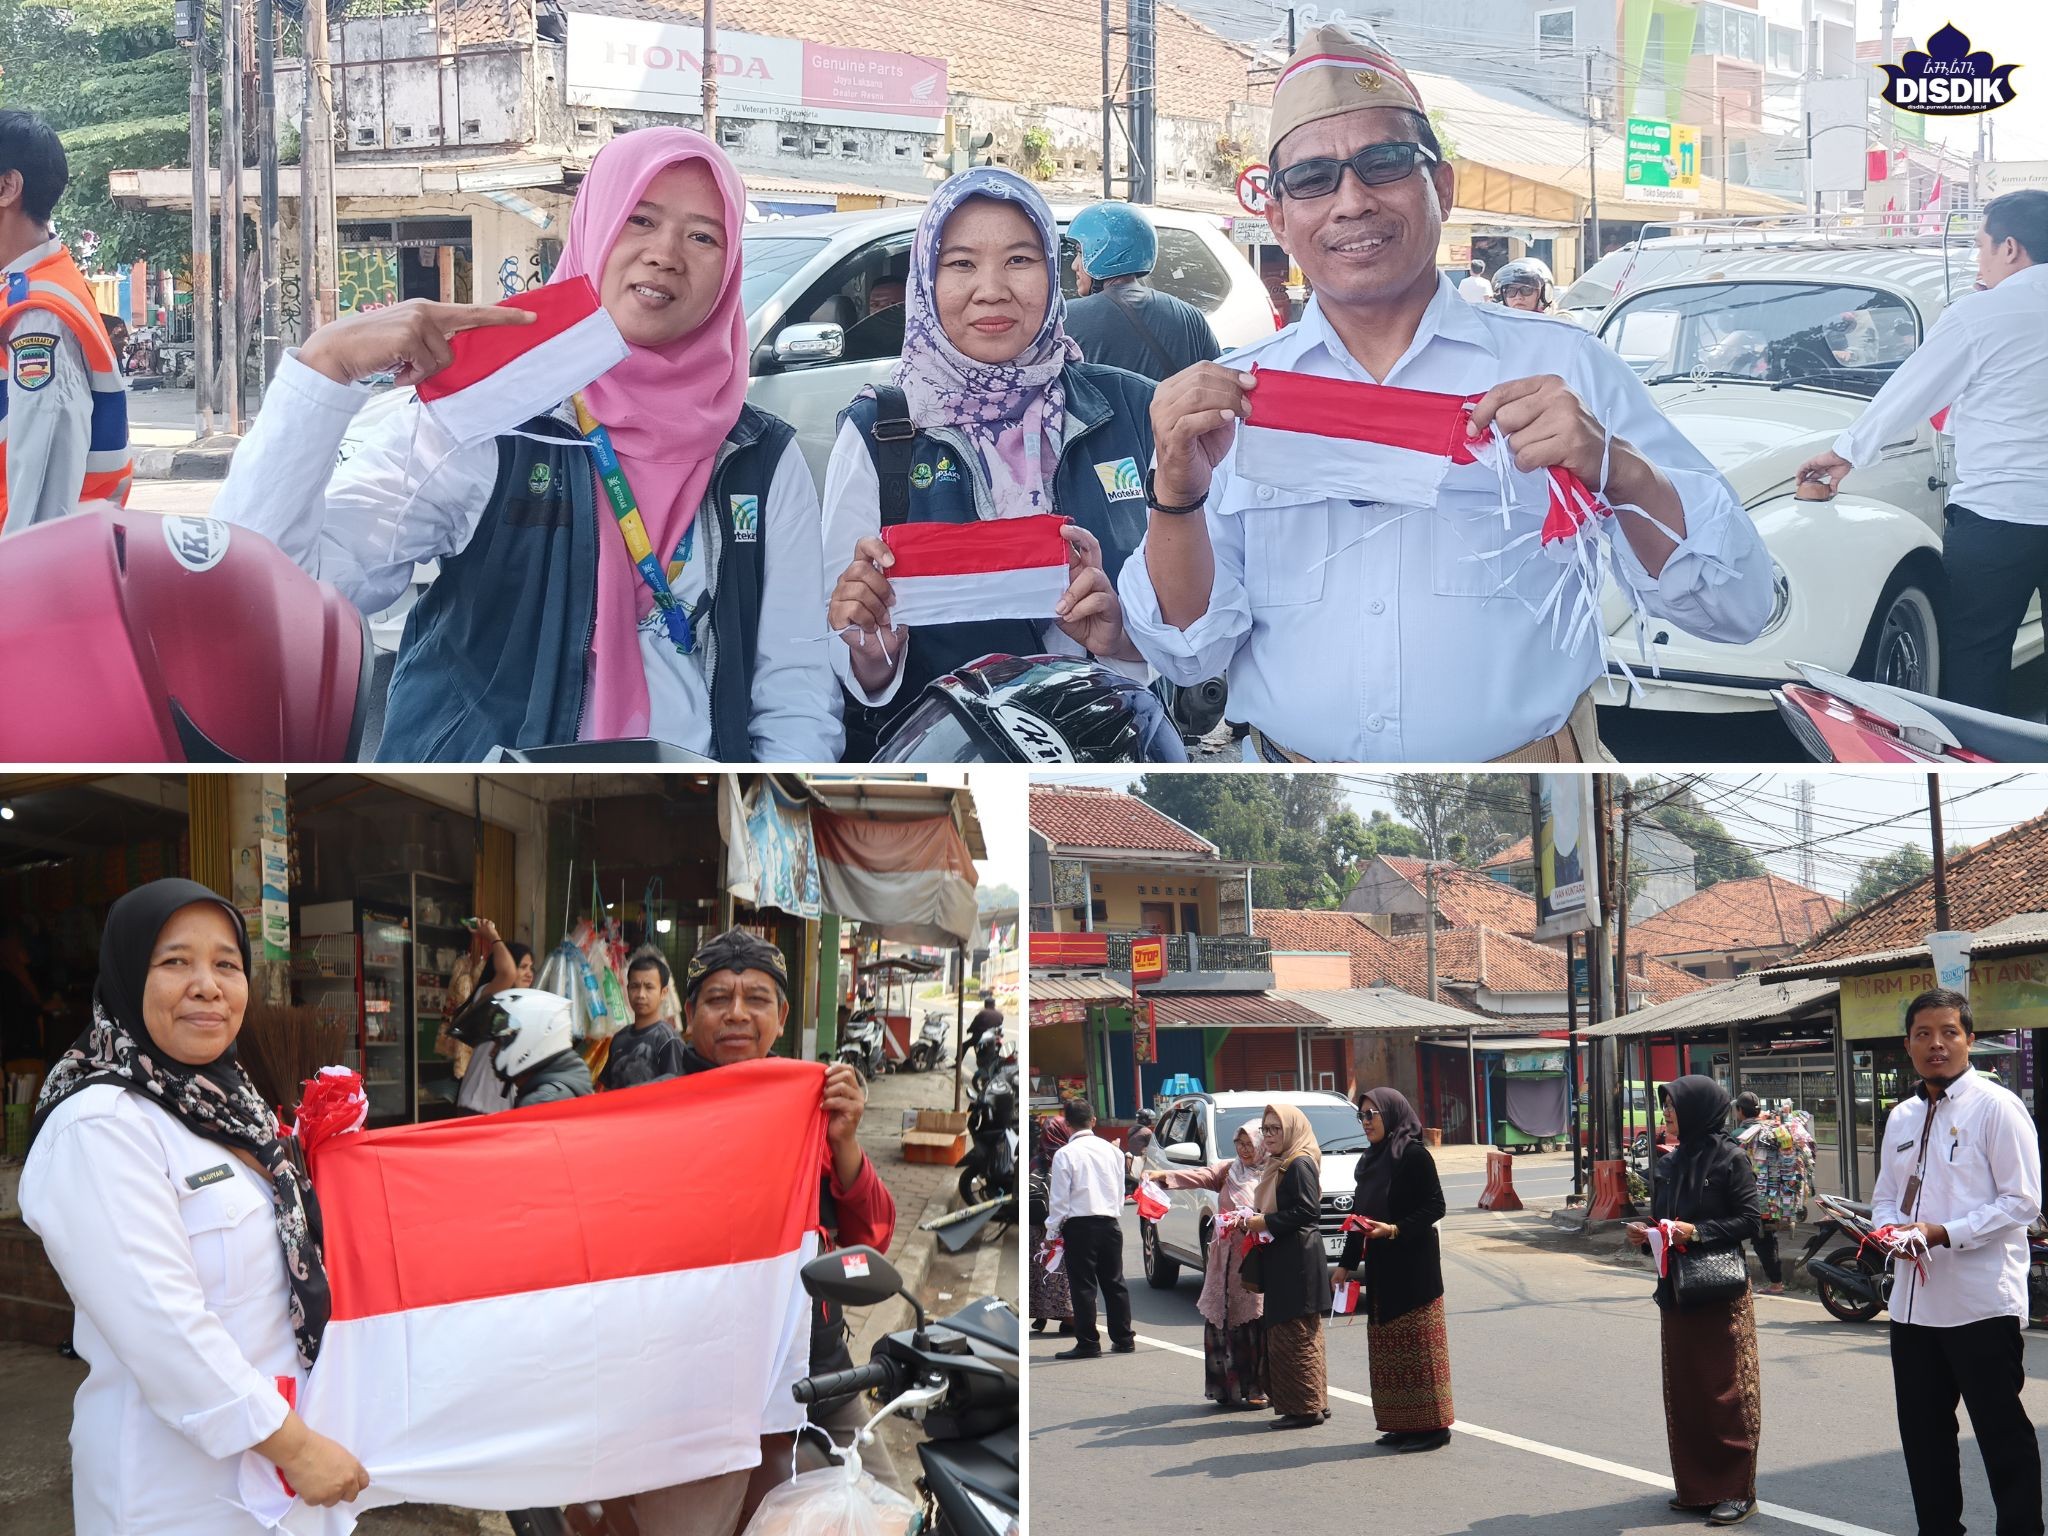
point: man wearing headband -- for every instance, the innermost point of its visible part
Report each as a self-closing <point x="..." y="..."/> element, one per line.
<point x="735" y="1004"/>
<point x="1371" y="626"/>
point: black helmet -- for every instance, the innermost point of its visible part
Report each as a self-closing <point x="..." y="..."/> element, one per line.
<point x="1146" y="1117"/>
<point x="1034" y="709"/>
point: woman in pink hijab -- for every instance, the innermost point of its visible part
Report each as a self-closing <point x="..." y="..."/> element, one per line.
<point x="548" y="623"/>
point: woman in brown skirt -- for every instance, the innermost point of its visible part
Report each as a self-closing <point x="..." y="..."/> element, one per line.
<point x="1400" y="1200"/>
<point x="1233" y="1342"/>
<point x="1295" y="1278"/>
<point x="1052" y="1299"/>
<point x="1713" y="1398"/>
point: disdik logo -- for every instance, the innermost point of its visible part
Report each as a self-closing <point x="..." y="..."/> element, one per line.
<point x="1948" y="80"/>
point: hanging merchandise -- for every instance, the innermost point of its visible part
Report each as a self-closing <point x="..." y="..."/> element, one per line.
<point x="568" y="974"/>
<point x="1782" y="1154"/>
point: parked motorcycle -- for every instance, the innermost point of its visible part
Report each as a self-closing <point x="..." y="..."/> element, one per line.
<point x="928" y="1050"/>
<point x="990" y="1052"/>
<point x="989" y="1171"/>
<point x="861" y="1045"/>
<point x="960" y="1374"/>
<point x="1855" y="1281"/>
<point x="1838" y="719"/>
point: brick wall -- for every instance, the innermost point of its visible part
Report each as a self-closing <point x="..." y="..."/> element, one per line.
<point x="34" y="1308"/>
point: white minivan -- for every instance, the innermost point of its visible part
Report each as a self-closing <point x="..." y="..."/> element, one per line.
<point x="1197" y="1131"/>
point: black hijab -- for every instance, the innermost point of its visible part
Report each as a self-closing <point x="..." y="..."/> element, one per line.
<point x="216" y="1101"/>
<point x="1704" y="1149"/>
<point x="1375" y="1193"/>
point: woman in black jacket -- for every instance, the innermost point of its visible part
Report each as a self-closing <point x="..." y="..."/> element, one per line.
<point x="1400" y="1200"/>
<point x="1295" y="1277"/>
<point x="1713" y="1397"/>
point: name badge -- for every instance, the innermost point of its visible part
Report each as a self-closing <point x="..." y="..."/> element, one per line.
<point x="209" y="1176"/>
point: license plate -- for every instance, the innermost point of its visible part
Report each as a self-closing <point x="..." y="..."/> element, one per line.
<point x="1332" y="1247"/>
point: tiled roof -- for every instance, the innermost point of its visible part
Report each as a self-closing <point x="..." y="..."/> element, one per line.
<point x="1763" y="912"/>
<point x="1522" y="851"/>
<point x="1075" y="816"/>
<point x="1467" y="899"/>
<point x="1503" y="962"/>
<point x="1036" y="52"/>
<point x="1997" y="879"/>
<point x="1315" y="932"/>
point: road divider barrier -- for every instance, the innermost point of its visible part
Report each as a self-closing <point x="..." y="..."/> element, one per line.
<point x="1499" y="1194"/>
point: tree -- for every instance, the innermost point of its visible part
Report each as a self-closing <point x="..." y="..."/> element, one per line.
<point x="109" y="76"/>
<point x="1717" y="854"/>
<point x="1466" y="817"/>
<point x="989" y="897"/>
<point x="1881" y="874"/>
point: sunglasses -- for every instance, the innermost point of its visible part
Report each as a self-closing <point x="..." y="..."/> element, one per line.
<point x="1377" y="165"/>
<point x="1521" y="290"/>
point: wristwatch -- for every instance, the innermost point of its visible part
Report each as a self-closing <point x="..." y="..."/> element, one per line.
<point x="1152" y="500"/>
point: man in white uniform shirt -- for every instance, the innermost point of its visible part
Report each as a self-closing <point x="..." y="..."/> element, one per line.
<point x="1962" y="1167"/>
<point x="1475" y="289"/>
<point x="1362" y="628"/>
<point x="1087" y="1194"/>
<point x="1986" y="362"/>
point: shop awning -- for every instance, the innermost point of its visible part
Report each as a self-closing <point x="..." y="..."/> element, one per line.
<point x="1231" y="1010"/>
<point x="2012" y="936"/>
<point x="1381" y="1009"/>
<point x="1077" y="989"/>
<point x="1750" y="999"/>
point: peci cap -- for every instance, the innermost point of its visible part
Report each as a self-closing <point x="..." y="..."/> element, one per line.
<point x="1338" y="69"/>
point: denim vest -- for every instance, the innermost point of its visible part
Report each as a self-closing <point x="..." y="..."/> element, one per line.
<point x="495" y="652"/>
<point x="1099" y="483"/>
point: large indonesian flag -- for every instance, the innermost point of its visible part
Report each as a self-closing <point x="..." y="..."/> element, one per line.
<point x="952" y="573"/>
<point x="568" y="1302"/>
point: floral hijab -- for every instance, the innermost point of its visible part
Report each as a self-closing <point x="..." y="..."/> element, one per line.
<point x="1003" y="409"/>
<point x="1241" y="1177"/>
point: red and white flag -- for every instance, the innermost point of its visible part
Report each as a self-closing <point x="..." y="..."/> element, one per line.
<point x="951" y="573"/>
<point x="911" y="881"/>
<point x="1151" y="1201"/>
<point x="503" y="375"/>
<point x="1344" y="1299"/>
<point x="517" y="1325"/>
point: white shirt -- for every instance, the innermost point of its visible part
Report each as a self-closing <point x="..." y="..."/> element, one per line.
<point x="1987" y="357"/>
<point x="1369" y="632"/>
<point x="1087" y="1180"/>
<point x="853" y="511"/>
<point x="1475" y="290"/>
<point x="1982" y="1181"/>
<point x="402" y="496"/>
<point x="168" y="1245"/>
<point x="48" y="425"/>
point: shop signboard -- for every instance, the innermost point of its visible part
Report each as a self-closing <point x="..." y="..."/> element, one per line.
<point x="1567" y="863"/>
<point x="1058" y="1011"/>
<point x="1145" y="1035"/>
<point x="657" y="66"/>
<point x="2009" y="993"/>
<point x="1663" y="161"/>
<point x="1148" y="960"/>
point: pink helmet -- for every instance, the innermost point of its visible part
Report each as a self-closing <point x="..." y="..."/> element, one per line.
<point x="129" y="637"/>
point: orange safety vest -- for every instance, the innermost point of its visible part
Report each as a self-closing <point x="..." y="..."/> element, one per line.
<point x="55" y="285"/>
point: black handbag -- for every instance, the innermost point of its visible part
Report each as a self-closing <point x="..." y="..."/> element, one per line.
<point x="1251" y="1270"/>
<point x="1701" y="1277"/>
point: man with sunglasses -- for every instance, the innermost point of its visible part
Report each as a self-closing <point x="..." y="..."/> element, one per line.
<point x="1962" y="1169"/>
<point x="1377" y="624"/>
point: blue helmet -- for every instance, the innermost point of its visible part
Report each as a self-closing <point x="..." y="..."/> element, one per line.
<point x="1115" y="240"/>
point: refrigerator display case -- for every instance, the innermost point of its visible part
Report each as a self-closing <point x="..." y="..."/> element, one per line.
<point x="352" y="964"/>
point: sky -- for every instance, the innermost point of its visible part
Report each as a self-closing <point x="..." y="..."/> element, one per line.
<point x="1000" y="803"/>
<point x="1759" y="810"/>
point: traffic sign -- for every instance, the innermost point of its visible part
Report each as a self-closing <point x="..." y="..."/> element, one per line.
<point x="1251" y="189"/>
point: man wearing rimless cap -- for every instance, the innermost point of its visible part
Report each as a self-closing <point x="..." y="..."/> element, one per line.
<point x="1364" y="615"/>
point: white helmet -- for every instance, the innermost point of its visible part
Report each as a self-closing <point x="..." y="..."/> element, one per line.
<point x="527" y="1027"/>
<point x="1524" y="269"/>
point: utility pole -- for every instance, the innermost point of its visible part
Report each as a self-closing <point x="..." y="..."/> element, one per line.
<point x="1142" y="18"/>
<point x="202" y="235"/>
<point x="710" y="52"/>
<point x="268" y="229"/>
<point x="1108" y="113"/>
<point x="319" y="239"/>
<point x="1721" y="140"/>
<point x="1940" y="854"/>
<point x="1592" y="172"/>
<point x="1600" y="967"/>
<point x="231" y="213"/>
<point x="1887" y="119"/>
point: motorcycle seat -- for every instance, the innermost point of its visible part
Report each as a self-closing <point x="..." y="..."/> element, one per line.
<point x="1859" y="1207"/>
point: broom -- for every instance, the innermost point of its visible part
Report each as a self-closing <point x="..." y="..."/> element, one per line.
<point x="282" y="1045"/>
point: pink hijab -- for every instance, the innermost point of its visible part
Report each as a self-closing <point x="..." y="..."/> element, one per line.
<point x="668" y="408"/>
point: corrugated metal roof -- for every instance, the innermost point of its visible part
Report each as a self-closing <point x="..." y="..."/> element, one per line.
<point x="2013" y="936"/>
<point x="1231" y="1010"/>
<point x="1377" y="1008"/>
<point x="1745" y="1000"/>
<point x="1076" y="989"/>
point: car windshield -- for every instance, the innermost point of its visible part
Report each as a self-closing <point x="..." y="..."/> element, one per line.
<point x="1824" y="335"/>
<point x="766" y="262"/>
<point x="1336" y="1125"/>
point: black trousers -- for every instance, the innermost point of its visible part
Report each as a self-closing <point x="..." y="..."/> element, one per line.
<point x="1766" y="1245"/>
<point x="1993" y="570"/>
<point x="1095" y="1257"/>
<point x="1982" y="1364"/>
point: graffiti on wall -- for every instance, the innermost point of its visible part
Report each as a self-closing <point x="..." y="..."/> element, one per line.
<point x="368" y="278"/>
<point x="290" y="294"/>
<point x="513" y="277"/>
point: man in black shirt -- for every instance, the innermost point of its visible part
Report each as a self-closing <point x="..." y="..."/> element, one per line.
<point x="648" y="1049"/>
<point x="1120" y="320"/>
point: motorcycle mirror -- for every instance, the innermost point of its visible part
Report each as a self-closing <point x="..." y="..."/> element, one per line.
<point x="855" y="1277"/>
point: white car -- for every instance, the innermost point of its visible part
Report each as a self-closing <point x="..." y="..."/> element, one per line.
<point x="1761" y="358"/>
<point x="1198" y="1131"/>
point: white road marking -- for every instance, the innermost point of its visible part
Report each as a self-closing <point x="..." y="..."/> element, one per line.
<point x="1578" y="1458"/>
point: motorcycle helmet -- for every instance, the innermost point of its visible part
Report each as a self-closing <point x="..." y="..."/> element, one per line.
<point x="1520" y="273"/>
<point x="527" y="1026"/>
<point x="1147" y="1119"/>
<point x="1034" y="709"/>
<point x="1113" y="240"/>
<point x="136" y="638"/>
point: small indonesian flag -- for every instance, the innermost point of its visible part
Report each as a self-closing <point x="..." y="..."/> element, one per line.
<point x="950" y="573"/>
<point x="1663" y="1238"/>
<point x="504" y="375"/>
<point x="1152" y="1202"/>
<point x="1342" y="439"/>
<point x="515" y="1327"/>
<point x="1939" y="420"/>
<point x="1052" y="1254"/>
<point x="1344" y="1299"/>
